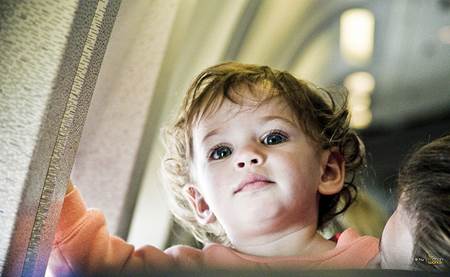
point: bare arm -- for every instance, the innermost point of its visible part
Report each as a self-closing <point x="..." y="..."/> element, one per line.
<point x="84" y="246"/>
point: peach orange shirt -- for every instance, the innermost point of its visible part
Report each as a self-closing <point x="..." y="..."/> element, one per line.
<point x="83" y="246"/>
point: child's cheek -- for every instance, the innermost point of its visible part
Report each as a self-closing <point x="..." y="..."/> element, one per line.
<point x="218" y="172"/>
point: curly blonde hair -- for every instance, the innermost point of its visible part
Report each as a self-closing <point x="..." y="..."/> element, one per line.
<point x="324" y="120"/>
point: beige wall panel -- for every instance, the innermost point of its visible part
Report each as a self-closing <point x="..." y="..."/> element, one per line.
<point x="109" y="162"/>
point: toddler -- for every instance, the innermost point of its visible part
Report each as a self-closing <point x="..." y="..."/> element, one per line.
<point x="257" y="162"/>
<point x="417" y="236"/>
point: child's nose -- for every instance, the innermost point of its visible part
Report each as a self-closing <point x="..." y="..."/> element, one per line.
<point x="248" y="163"/>
<point x="249" y="157"/>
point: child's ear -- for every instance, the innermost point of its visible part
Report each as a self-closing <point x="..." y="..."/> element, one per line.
<point x="203" y="213"/>
<point x="332" y="173"/>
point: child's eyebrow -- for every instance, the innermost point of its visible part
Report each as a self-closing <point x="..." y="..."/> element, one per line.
<point x="210" y="134"/>
<point x="264" y="119"/>
<point x="277" y="117"/>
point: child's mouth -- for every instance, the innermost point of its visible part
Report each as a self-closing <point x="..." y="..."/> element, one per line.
<point x="253" y="182"/>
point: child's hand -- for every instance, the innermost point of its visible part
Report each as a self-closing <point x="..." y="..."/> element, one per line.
<point x="69" y="187"/>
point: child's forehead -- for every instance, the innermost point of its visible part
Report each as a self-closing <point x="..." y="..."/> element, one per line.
<point x="251" y="109"/>
<point x="242" y="95"/>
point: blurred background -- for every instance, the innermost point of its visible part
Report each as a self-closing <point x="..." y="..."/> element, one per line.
<point x="393" y="56"/>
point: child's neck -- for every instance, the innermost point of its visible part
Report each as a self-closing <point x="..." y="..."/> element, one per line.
<point x="293" y="242"/>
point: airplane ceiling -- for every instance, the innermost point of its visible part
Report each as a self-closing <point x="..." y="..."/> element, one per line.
<point x="410" y="62"/>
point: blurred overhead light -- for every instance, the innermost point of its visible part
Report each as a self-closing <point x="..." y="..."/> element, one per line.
<point x="360" y="102"/>
<point x="360" y="86"/>
<point x="357" y="35"/>
<point x="361" y="119"/>
<point x="360" y="83"/>
<point x="444" y="34"/>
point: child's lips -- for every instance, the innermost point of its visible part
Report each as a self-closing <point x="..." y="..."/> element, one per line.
<point x="253" y="182"/>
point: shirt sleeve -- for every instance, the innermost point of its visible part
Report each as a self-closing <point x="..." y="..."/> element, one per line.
<point x="84" y="247"/>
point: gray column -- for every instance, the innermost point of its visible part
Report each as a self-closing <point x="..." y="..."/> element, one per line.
<point x="50" y="55"/>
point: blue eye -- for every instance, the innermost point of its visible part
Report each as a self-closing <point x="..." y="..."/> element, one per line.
<point x="220" y="152"/>
<point x="274" y="137"/>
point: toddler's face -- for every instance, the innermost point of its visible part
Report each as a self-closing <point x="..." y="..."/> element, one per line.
<point x="256" y="169"/>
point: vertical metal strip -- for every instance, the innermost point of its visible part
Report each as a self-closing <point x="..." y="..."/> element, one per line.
<point x="47" y="196"/>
